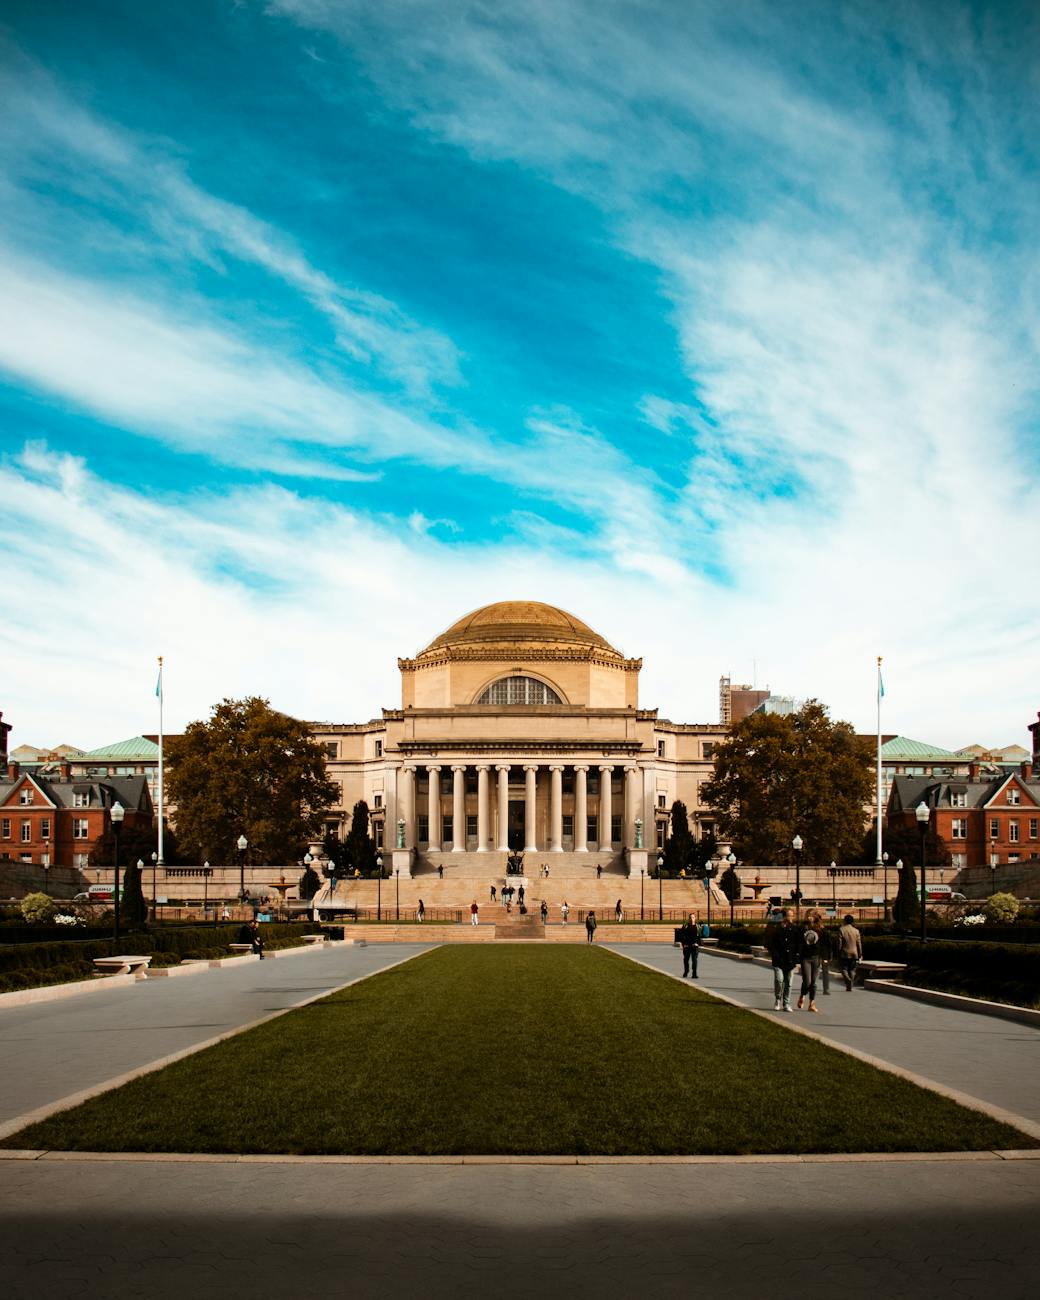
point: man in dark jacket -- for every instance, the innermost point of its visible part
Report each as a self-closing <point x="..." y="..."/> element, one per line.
<point x="250" y="933"/>
<point x="784" y="942"/>
<point x="689" y="941"/>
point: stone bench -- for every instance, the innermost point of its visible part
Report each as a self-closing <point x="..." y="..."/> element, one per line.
<point x="313" y="938"/>
<point x="869" y="970"/>
<point x="134" y="964"/>
<point x="240" y="947"/>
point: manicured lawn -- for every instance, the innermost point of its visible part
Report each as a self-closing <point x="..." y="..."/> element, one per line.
<point x="519" y="1050"/>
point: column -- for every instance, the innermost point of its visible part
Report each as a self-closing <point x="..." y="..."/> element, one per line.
<point x="632" y="801"/>
<point x="604" y="808"/>
<point x="581" y="810"/>
<point x="434" y="810"/>
<point x="530" y="803"/>
<point x="556" y="808"/>
<point x="483" y="808"/>
<point x="503" y="807"/>
<point x="408" y="805"/>
<point x="458" y="807"/>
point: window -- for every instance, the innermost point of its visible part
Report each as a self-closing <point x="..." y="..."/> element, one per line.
<point x="377" y="835"/>
<point x="471" y="828"/>
<point x="1014" y="795"/>
<point x="1013" y="857"/>
<point x="424" y="829"/>
<point x="660" y="749"/>
<point x="958" y="861"/>
<point x="81" y="801"/>
<point x="994" y="828"/>
<point x="615" y="830"/>
<point x="592" y="783"/>
<point x="662" y="801"/>
<point x="1034" y="827"/>
<point x="519" y="690"/>
<point x="79" y="861"/>
<point x="592" y="830"/>
<point x="958" y="799"/>
<point x="331" y="749"/>
<point x="377" y="801"/>
<point x="1013" y="832"/>
<point x="25" y="857"/>
<point x="45" y="828"/>
<point x="708" y="749"/>
<point x="5" y="828"/>
<point x="379" y="749"/>
<point x="959" y="828"/>
<point x="79" y="828"/>
<point x="448" y="829"/>
<point x="45" y="859"/>
<point x="568" y="827"/>
<point x="25" y="794"/>
<point x="26" y="832"/>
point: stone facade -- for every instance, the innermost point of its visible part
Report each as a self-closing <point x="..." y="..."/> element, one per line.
<point x="520" y="729"/>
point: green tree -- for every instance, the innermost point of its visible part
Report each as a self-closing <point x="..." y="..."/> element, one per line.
<point x="247" y="770"/>
<point x="359" y="851"/>
<point x="37" y="909"/>
<point x="136" y="840"/>
<point x="730" y="884"/>
<point x="310" y="883"/>
<point x="133" y="910"/>
<point x="336" y="852"/>
<point x="907" y="908"/>
<point x="777" y="776"/>
<point x="1001" y="909"/>
<point x="680" y="848"/>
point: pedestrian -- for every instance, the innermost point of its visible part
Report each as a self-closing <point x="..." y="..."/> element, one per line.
<point x="828" y="950"/>
<point x="545" y="912"/>
<point x="590" y="927"/>
<point x="250" y="933"/>
<point x="565" y="911"/>
<point x="226" y="913"/>
<point x="520" y="896"/>
<point x="618" y="913"/>
<point x="784" y="942"/>
<point x="599" y="871"/>
<point x="420" y="912"/>
<point x="809" y="961"/>
<point x="440" y="870"/>
<point x="492" y="893"/>
<point x="474" y="913"/>
<point x="547" y="871"/>
<point x="850" y="950"/>
<point x="690" y="942"/>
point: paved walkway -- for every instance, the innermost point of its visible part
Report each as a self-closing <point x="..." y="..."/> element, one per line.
<point x="51" y="1050"/>
<point x="997" y="1061"/>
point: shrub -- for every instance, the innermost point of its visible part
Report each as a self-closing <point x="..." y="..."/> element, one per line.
<point x="1001" y="909"/>
<point x="38" y="909"/>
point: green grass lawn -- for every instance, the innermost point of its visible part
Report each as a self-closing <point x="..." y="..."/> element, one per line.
<point x="522" y="1051"/>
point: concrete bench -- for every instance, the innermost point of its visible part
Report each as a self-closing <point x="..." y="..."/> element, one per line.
<point x="133" y="964"/>
<point x="869" y="970"/>
<point x="240" y="947"/>
<point x="313" y="938"/>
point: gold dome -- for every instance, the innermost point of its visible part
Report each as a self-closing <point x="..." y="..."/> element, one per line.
<point x="514" y="621"/>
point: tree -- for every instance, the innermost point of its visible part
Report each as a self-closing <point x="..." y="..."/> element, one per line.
<point x="907" y="905"/>
<point x="310" y="883"/>
<point x="680" y="848"/>
<point x="38" y="909"/>
<point x="903" y="841"/>
<point x="359" y="853"/>
<point x="137" y="839"/>
<point x="248" y="770"/>
<point x="729" y="883"/>
<point x="132" y="908"/>
<point x="777" y="776"/>
<point x="1001" y="909"/>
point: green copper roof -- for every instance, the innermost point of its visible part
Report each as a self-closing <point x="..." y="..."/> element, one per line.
<point x="135" y="747"/>
<point x="904" y="747"/>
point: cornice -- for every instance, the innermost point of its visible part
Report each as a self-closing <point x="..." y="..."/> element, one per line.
<point x="516" y="655"/>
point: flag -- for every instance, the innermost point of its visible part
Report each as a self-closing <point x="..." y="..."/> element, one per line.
<point x="158" y="683"/>
<point x="881" y="684"/>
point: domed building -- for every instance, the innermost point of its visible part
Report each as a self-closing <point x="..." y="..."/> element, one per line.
<point x="519" y="729"/>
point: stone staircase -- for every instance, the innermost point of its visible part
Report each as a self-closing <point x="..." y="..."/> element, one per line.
<point x="492" y="866"/>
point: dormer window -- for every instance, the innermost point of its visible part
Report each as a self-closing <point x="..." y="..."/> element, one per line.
<point x="25" y="794"/>
<point x="958" y="799"/>
<point x="1014" y="795"/>
<point x="81" y="800"/>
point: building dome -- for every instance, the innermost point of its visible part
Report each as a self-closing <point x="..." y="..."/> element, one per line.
<point x="519" y="621"/>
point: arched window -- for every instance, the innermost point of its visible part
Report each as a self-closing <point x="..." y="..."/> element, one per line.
<point x="519" y="690"/>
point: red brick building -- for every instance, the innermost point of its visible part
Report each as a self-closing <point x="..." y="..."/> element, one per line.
<point x="984" y="823"/>
<point x="55" y="820"/>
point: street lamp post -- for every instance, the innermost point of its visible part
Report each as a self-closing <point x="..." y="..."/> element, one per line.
<point x="397" y="885"/>
<point x="834" y="886"/>
<point x="709" y="871"/>
<point x="117" y="813"/>
<point x="155" y="860"/>
<point x="46" y="878"/>
<point x="205" y="890"/>
<point x="731" y="860"/>
<point x="379" y="888"/>
<point x="922" y="814"/>
<point x="660" y="889"/>
<point x="243" y="844"/>
<point x="884" y="860"/>
<point x="796" y="845"/>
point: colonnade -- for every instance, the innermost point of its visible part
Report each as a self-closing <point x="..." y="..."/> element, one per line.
<point x="493" y="822"/>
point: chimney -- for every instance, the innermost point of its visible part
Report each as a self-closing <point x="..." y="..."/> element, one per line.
<point x="13" y="770"/>
<point x="64" y="771"/>
<point x="974" y="770"/>
<point x="1026" y="771"/>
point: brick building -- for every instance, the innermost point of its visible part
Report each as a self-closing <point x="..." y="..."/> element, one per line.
<point x="56" y="819"/>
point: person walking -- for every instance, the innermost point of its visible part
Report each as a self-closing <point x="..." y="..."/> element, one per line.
<point x="783" y="941"/>
<point x="809" y="960"/>
<point x="420" y="912"/>
<point x="492" y="893"/>
<point x="474" y="913"/>
<point x="565" y="911"/>
<point x="850" y="950"/>
<point x="690" y="942"/>
<point x="828" y="951"/>
<point x="590" y="927"/>
<point x="618" y="913"/>
<point x="545" y="912"/>
<point x="520" y="895"/>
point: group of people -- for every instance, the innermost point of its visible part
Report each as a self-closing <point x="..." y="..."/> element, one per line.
<point x="810" y="947"/>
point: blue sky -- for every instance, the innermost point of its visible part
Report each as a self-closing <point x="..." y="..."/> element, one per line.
<point x="325" y="321"/>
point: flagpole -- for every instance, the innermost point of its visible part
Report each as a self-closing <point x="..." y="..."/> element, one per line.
<point x="159" y="691"/>
<point x="880" y="692"/>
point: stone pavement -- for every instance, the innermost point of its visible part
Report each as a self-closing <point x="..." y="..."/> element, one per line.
<point x="997" y="1061"/>
<point x="51" y="1050"/>
<point x="907" y="1227"/>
